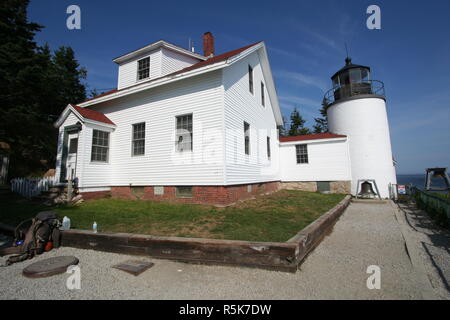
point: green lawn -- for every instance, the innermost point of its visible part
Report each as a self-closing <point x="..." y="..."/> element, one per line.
<point x="275" y="217"/>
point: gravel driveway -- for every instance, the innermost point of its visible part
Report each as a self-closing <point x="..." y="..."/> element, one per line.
<point x="366" y="234"/>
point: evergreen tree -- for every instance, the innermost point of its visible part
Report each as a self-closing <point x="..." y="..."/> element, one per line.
<point x="297" y="127"/>
<point x="322" y="122"/>
<point x="35" y="86"/>
<point x="70" y="75"/>
<point x="93" y="93"/>
<point x="17" y="55"/>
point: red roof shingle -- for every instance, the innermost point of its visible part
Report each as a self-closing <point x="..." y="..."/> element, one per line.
<point x="318" y="136"/>
<point x="215" y="59"/>
<point x="93" y="115"/>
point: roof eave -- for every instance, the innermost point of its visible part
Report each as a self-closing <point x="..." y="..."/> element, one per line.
<point x="152" y="84"/>
<point x="83" y="119"/>
<point x="324" y="140"/>
<point x="271" y="88"/>
<point x="154" y="46"/>
<point x="65" y="114"/>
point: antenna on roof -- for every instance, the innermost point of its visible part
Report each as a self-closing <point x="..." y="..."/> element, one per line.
<point x="348" y="60"/>
<point x="191" y="45"/>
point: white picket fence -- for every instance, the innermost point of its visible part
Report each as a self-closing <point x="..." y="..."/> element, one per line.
<point x="32" y="187"/>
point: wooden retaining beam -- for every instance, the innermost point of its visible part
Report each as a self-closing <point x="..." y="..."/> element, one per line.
<point x="267" y="255"/>
<point x="310" y="237"/>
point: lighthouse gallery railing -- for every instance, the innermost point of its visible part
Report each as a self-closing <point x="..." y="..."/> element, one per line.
<point x="365" y="87"/>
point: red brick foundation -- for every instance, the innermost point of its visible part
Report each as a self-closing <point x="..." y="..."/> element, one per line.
<point x="95" y="195"/>
<point x="212" y="195"/>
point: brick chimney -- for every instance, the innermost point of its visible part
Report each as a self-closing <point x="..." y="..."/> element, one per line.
<point x="208" y="44"/>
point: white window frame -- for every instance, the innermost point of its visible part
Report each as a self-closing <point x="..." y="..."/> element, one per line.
<point x="184" y="132"/>
<point x="100" y="146"/>
<point x="302" y="153"/>
<point x="247" y="149"/>
<point x="138" y="70"/>
<point x="134" y="139"/>
<point x="251" y="83"/>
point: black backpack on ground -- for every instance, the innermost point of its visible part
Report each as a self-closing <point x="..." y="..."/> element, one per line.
<point x="43" y="228"/>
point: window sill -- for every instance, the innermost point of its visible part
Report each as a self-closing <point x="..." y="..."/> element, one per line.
<point x="142" y="80"/>
<point x="99" y="162"/>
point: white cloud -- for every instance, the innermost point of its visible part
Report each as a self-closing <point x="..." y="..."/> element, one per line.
<point x="302" y="79"/>
<point x="292" y="55"/>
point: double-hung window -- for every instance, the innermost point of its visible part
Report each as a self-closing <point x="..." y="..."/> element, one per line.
<point x="183" y="136"/>
<point x="144" y="68"/>
<point x="247" y="137"/>
<point x="100" y="146"/>
<point x="138" y="142"/>
<point x="302" y="153"/>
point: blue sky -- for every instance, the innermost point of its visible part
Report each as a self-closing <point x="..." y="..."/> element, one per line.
<point x="305" y="40"/>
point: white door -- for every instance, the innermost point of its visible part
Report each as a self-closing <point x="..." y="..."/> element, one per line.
<point x="72" y="156"/>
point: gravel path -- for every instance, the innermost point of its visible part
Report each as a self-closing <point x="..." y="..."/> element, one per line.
<point x="431" y="246"/>
<point x="366" y="234"/>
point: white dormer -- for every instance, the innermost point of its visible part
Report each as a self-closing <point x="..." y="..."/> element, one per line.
<point x="153" y="61"/>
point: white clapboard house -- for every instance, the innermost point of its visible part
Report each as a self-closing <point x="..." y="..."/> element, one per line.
<point x="196" y="128"/>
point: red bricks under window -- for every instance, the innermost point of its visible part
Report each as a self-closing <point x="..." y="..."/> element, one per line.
<point x="212" y="195"/>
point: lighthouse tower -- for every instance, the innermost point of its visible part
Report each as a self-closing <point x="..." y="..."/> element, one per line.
<point x="356" y="107"/>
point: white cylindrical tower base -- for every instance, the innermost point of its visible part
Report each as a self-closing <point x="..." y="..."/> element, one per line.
<point x="364" y="121"/>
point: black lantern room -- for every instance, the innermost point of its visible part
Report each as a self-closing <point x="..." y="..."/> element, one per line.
<point x="351" y="81"/>
<point x="351" y="73"/>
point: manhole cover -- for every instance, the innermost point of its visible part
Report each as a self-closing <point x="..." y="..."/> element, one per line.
<point x="49" y="267"/>
<point x="134" y="266"/>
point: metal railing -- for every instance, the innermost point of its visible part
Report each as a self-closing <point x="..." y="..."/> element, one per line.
<point x="437" y="206"/>
<point x="353" y="89"/>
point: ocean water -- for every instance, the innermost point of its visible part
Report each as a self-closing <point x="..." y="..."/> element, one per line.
<point x="418" y="180"/>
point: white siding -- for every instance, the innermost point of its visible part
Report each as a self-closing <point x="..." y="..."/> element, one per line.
<point x="162" y="62"/>
<point x="240" y="106"/>
<point x="327" y="161"/>
<point x="70" y="120"/>
<point x="128" y="70"/>
<point x="173" y="61"/>
<point x="161" y="165"/>
<point x="94" y="174"/>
